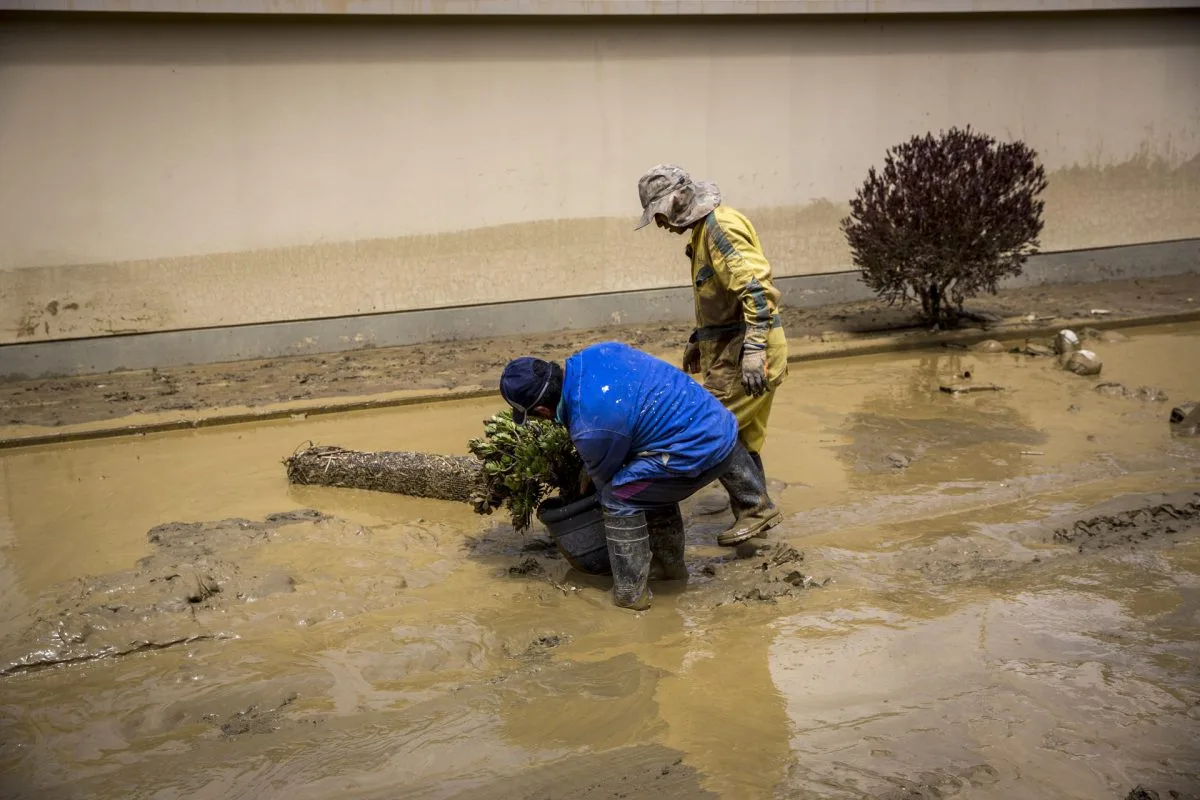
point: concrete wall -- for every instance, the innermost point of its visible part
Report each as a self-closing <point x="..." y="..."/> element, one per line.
<point x="174" y="174"/>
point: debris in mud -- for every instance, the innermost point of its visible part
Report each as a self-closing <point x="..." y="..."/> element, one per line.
<point x="966" y="388"/>
<point x="763" y="579"/>
<point x="540" y="646"/>
<point x="78" y="637"/>
<point x="1031" y="349"/>
<point x="253" y="720"/>
<point x="1083" y="362"/>
<point x="1150" y="394"/>
<point x="1141" y="792"/>
<point x="898" y="461"/>
<point x="1185" y="420"/>
<point x="1066" y="342"/>
<point x="988" y="346"/>
<point x="528" y="566"/>
<point x="1131" y="527"/>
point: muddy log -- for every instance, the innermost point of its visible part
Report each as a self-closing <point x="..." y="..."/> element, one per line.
<point x="458" y="478"/>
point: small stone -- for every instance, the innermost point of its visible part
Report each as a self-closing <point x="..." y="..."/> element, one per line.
<point x="1066" y="342"/>
<point x="1083" y="362"/>
<point x="1074" y="409"/>
<point x="988" y="346"/>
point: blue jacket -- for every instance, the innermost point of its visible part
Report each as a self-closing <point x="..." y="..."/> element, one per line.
<point x="635" y="417"/>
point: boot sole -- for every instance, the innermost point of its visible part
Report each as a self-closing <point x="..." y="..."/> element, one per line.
<point x="726" y="540"/>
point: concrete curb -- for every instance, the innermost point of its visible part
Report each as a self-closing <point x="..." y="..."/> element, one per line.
<point x="846" y="346"/>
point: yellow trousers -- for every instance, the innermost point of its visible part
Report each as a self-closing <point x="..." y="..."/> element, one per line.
<point x="752" y="414"/>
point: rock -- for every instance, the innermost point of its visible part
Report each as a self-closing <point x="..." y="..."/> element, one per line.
<point x="1074" y="409"/>
<point x="1031" y="349"/>
<point x="1066" y="342"/>
<point x="988" y="346"/>
<point x="1083" y="362"/>
<point x="1185" y="419"/>
<point x="898" y="461"/>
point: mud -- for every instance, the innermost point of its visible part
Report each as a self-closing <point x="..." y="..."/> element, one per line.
<point x="1134" y="526"/>
<point x="477" y="363"/>
<point x="632" y="772"/>
<point x="1140" y="792"/>
<point x="1150" y="394"/>
<point x="200" y="582"/>
<point x="913" y="628"/>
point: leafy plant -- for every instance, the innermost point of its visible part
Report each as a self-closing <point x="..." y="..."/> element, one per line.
<point x="948" y="217"/>
<point x="523" y="464"/>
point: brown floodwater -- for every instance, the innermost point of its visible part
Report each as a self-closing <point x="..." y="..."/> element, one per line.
<point x="384" y="648"/>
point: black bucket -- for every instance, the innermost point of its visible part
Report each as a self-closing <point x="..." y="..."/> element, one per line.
<point x="578" y="530"/>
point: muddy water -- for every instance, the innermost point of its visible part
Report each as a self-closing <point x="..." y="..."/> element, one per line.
<point x="381" y="646"/>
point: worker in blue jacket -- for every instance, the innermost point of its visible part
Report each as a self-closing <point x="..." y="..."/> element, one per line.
<point x="650" y="436"/>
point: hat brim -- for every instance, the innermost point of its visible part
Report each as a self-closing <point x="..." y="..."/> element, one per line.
<point x="655" y="207"/>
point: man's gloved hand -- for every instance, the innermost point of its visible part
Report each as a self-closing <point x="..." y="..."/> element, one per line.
<point x="754" y="370"/>
<point x="691" y="358"/>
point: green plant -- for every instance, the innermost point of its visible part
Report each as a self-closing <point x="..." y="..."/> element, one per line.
<point x="948" y="217"/>
<point x="523" y="464"/>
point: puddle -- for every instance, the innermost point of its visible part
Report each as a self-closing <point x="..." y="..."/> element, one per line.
<point x="379" y="646"/>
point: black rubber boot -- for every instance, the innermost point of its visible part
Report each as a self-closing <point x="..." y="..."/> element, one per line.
<point x="757" y="457"/>
<point x="629" y="554"/>
<point x="666" y="544"/>
<point x="753" y="511"/>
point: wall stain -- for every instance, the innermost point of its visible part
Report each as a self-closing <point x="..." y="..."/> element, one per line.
<point x="1144" y="199"/>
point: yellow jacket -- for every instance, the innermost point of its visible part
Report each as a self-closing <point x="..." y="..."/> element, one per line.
<point x="736" y="301"/>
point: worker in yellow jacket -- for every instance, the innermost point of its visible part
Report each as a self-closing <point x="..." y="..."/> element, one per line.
<point x="738" y="345"/>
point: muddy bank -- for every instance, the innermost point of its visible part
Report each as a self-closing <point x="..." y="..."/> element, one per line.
<point x="204" y="581"/>
<point x="477" y="363"/>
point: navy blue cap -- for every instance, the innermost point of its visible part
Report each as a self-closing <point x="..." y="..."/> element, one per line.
<point x="523" y="385"/>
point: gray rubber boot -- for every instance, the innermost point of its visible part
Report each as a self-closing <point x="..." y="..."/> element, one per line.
<point x="753" y="511"/>
<point x="666" y="544"/>
<point x="629" y="554"/>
